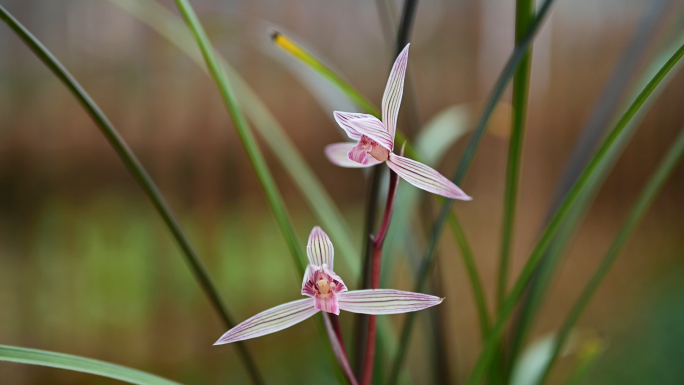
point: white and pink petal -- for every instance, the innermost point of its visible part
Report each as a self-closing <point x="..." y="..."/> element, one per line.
<point x="338" y="154"/>
<point x="373" y="129"/>
<point x="425" y="177"/>
<point x="385" y="301"/>
<point x="270" y="321"/>
<point x="327" y="303"/>
<point x="343" y="118"/>
<point x="391" y="99"/>
<point x="320" y="249"/>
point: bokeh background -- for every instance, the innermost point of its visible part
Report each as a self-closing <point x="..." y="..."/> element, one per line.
<point x="87" y="267"/>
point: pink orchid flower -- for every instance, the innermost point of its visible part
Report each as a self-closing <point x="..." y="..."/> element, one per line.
<point x="376" y="140"/>
<point x="327" y="293"/>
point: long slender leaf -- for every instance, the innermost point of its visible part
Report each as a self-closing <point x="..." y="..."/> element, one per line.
<point x="139" y="174"/>
<point x="80" y="364"/>
<point x="509" y="304"/>
<point x="248" y="141"/>
<point x="171" y="27"/>
<point x="542" y="277"/>
<point x="473" y="275"/>
<point x="524" y="15"/>
<point x="643" y="203"/>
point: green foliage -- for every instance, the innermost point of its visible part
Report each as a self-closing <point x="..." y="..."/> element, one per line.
<point x="79" y="364"/>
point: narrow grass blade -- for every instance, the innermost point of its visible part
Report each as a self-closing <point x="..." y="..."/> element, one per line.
<point x="524" y="16"/>
<point x="511" y="300"/>
<point x="473" y="274"/>
<point x="248" y="141"/>
<point x="141" y="176"/>
<point x="80" y="364"/>
<point x="542" y="277"/>
<point x="172" y="28"/>
<point x="466" y="159"/>
<point x="310" y="60"/>
<point x="643" y="203"/>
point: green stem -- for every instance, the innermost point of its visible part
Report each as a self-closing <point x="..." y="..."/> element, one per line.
<point x="509" y="304"/>
<point x="648" y="195"/>
<point x="473" y="275"/>
<point x="249" y="143"/>
<point x="524" y="15"/>
<point x="140" y="175"/>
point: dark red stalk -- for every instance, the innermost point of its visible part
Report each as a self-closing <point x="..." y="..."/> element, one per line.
<point x="378" y="241"/>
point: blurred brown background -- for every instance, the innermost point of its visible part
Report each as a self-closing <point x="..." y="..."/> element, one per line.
<point x="87" y="267"/>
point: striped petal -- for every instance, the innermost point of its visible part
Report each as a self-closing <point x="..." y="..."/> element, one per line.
<point x="270" y="321"/>
<point x="374" y="129"/>
<point x="391" y="99"/>
<point x="337" y="154"/>
<point x="425" y="177"/>
<point x="320" y="249"/>
<point x="327" y="304"/>
<point x="343" y="118"/>
<point x="385" y="301"/>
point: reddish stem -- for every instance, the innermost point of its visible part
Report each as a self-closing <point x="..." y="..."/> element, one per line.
<point x="335" y="322"/>
<point x="378" y="241"/>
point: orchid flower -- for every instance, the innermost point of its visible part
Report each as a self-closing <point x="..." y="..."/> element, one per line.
<point x="327" y="292"/>
<point x="376" y="140"/>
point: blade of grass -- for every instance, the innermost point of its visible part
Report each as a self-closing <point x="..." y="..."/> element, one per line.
<point x="473" y="274"/>
<point x="248" y="141"/>
<point x="524" y="15"/>
<point x="643" y="203"/>
<point x="80" y="364"/>
<point x="171" y="27"/>
<point x="256" y="158"/>
<point x="509" y="304"/>
<point x="542" y="277"/>
<point x="140" y="175"/>
<point x="464" y="164"/>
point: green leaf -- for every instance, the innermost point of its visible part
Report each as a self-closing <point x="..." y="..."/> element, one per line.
<point x="511" y="300"/>
<point x="139" y="173"/>
<point x="643" y="203"/>
<point x="80" y="364"/>
<point x="584" y="201"/>
<point x="524" y="15"/>
<point x="171" y="27"/>
<point x="271" y="191"/>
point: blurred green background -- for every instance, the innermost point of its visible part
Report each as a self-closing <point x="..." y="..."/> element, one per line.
<point x="88" y="268"/>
